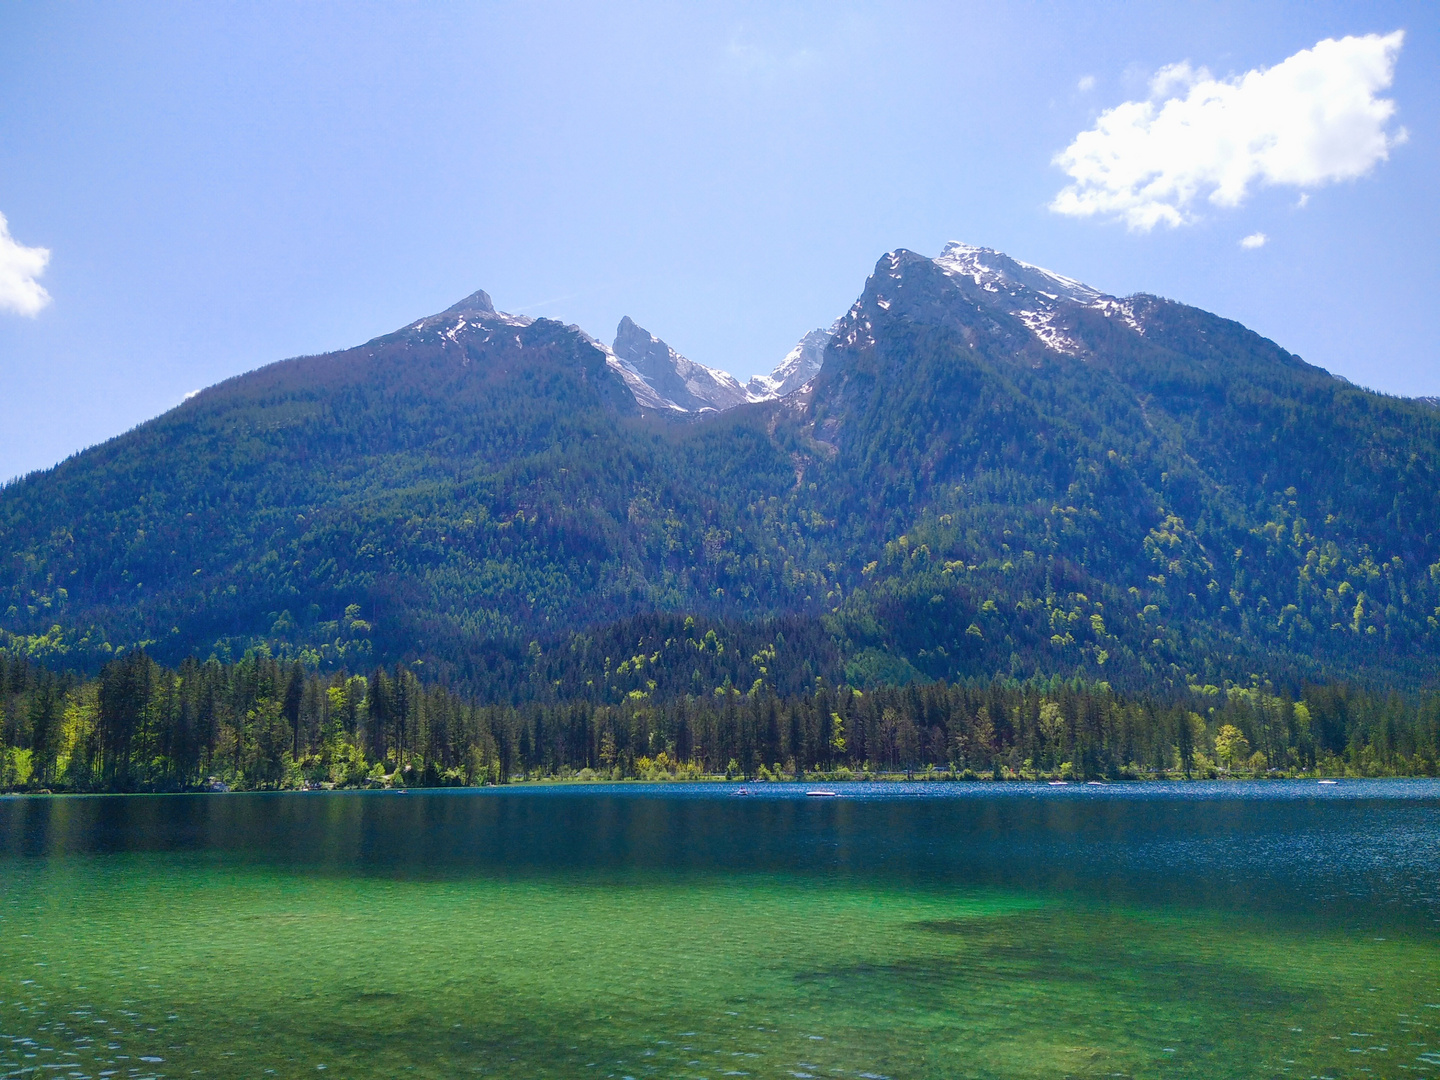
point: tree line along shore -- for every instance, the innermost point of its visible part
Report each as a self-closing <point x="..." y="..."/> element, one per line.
<point x="261" y="723"/>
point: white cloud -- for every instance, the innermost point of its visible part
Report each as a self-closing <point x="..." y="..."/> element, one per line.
<point x="19" y="267"/>
<point x="1254" y="240"/>
<point x="1311" y="119"/>
<point x="1087" y="82"/>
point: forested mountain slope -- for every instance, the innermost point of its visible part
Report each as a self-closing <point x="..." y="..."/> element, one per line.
<point x="996" y="470"/>
<point x="1136" y="479"/>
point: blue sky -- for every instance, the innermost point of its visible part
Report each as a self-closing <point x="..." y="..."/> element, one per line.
<point x="219" y="186"/>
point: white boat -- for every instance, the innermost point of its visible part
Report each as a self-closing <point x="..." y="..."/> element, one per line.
<point x="1327" y="781"/>
<point x="820" y="794"/>
<point x="1058" y="783"/>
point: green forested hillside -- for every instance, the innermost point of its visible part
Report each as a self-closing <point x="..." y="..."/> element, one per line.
<point x="1166" y="501"/>
<point x="1187" y="499"/>
<point x="416" y="497"/>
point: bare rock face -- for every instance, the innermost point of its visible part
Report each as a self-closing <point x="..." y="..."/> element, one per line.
<point x="800" y="365"/>
<point x="679" y="381"/>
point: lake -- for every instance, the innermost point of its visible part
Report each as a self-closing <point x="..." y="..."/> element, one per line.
<point x="896" y="930"/>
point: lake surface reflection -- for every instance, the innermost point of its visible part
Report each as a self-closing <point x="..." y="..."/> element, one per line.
<point x="1281" y="928"/>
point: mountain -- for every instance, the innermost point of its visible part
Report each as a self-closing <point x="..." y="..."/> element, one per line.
<point x="473" y="480"/>
<point x="680" y="382"/>
<point x="1209" y="504"/>
<point x="800" y="365"/>
<point x="995" y="471"/>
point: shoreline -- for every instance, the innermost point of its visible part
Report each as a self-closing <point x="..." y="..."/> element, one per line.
<point x="721" y="781"/>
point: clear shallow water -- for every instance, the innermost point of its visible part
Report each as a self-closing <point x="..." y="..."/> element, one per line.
<point x="1273" y="929"/>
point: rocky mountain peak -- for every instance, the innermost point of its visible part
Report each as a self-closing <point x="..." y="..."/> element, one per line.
<point x="800" y="365"/>
<point x="478" y="302"/>
<point x="999" y="275"/>
<point x="973" y="286"/>
<point x="474" y="314"/>
<point x="681" y="382"/>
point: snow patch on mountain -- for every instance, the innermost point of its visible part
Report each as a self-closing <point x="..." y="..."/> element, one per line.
<point x="475" y="312"/>
<point x="1124" y="310"/>
<point x="1055" y="338"/>
<point x="687" y="385"/>
<point x="996" y="272"/>
<point x="660" y="378"/>
<point x="683" y="384"/>
<point x="800" y="365"/>
<point x="656" y="375"/>
<point x="645" y="394"/>
<point x="1039" y="298"/>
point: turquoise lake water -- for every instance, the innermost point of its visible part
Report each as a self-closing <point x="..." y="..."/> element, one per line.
<point x="921" y="930"/>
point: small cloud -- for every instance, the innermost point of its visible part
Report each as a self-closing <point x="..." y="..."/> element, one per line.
<point x="1254" y="240"/>
<point x="1312" y="119"/>
<point x="1086" y="83"/>
<point x="191" y="394"/>
<point x="1300" y="202"/>
<point x="19" y="267"/>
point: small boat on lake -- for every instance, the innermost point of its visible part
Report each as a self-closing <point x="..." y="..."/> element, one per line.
<point x="1059" y="783"/>
<point x="819" y="793"/>
<point x="1327" y="781"/>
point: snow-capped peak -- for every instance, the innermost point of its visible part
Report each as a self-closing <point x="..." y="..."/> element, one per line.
<point x="800" y="365"/>
<point x="675" y="382"/>
<point x="680" y="381"/>
<point x="996" y="272"/>
<point x="1042" y="299"/>
<point x="475" y="311"/>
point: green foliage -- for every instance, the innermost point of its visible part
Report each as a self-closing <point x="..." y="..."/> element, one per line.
<point x="1230" y="745"/>
<point x="260" y="724"/>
